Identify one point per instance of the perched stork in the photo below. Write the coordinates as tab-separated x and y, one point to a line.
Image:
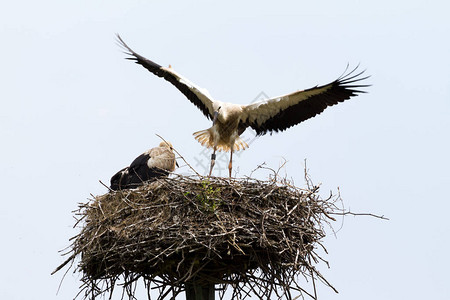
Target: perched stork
152	164
272	115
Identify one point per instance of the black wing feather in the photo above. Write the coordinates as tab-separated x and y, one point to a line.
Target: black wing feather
160	72
119	180
136	174
341	89
139	161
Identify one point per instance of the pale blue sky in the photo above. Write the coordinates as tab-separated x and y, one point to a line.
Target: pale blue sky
74	111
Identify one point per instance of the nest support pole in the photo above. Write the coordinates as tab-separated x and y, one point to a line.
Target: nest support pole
195	291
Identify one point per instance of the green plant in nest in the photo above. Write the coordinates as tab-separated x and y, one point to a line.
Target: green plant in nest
209	196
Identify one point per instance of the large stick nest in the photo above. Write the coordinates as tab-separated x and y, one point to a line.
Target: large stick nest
257	236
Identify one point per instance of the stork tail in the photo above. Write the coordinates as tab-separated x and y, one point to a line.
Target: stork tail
240	144
205	138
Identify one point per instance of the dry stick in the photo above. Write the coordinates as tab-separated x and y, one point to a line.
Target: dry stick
359	214
105	187
64	263
64	276
181	156
313	280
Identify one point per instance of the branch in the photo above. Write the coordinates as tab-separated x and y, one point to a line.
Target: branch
358	214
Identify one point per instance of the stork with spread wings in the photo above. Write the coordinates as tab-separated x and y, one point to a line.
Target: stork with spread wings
272	115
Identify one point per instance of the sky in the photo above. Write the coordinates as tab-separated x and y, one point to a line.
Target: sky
74	111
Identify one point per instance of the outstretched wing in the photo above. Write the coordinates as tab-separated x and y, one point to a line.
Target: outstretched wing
198	96
280	113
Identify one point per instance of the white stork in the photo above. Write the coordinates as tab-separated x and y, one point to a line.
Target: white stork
272	115
150	165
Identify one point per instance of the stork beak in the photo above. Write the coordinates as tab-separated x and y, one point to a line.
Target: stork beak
216	114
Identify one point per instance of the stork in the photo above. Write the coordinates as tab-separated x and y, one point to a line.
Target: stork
272	115
150	165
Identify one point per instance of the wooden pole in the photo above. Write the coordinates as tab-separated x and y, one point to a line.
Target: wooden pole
200	292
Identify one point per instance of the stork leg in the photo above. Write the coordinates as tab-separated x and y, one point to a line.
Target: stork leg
230	165
213	160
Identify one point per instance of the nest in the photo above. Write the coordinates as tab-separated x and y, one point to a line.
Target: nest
257	237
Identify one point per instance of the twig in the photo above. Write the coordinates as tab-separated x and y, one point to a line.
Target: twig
109	189
64	263
359	214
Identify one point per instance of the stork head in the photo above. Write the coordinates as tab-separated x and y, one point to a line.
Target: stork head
166	144
216	115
